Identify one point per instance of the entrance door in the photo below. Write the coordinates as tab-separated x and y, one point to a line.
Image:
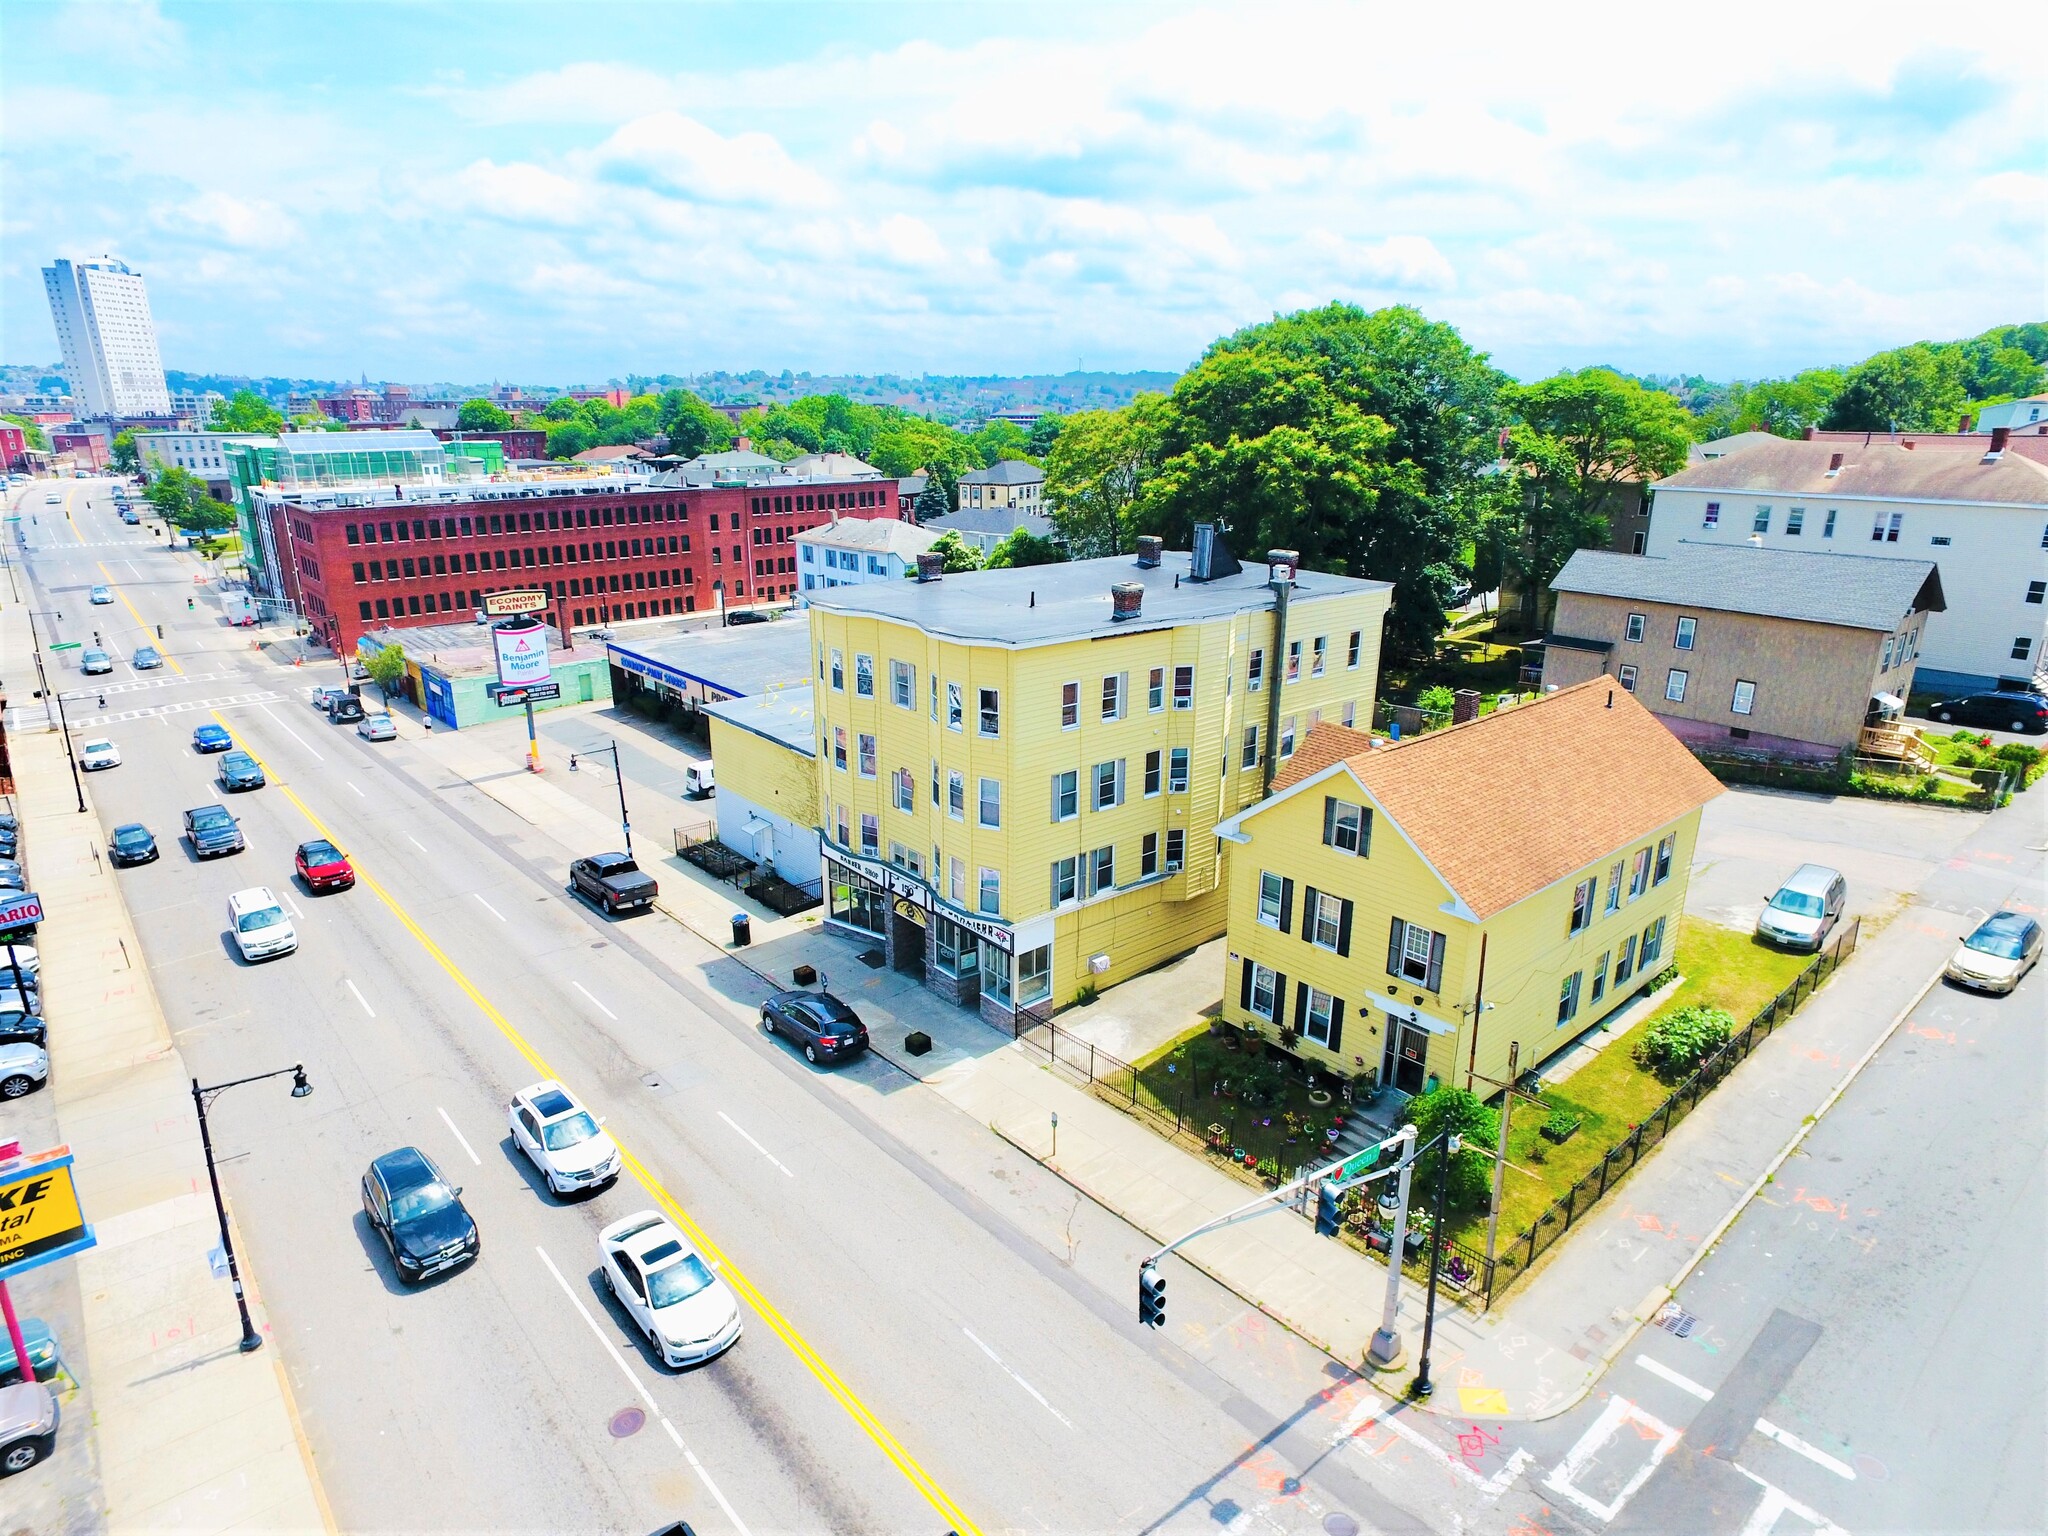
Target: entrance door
906	944
1406	1067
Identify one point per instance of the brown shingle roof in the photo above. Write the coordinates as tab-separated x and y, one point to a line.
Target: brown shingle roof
1324	745
1870	469
1514	801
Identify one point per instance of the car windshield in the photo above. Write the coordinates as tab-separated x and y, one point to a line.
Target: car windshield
99	746
424	1201
570	1132
2002	941
321	853
267	917
131	835
1798	903
679	1282
208	819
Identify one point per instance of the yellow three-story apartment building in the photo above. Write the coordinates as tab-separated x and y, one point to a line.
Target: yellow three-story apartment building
1410	912
1021	771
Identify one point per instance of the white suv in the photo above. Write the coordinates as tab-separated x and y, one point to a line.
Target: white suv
260	924
562	1138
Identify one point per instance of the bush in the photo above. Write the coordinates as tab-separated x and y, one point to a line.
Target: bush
1963	757
1560	1124
1439	698
1269	1169
1677	1042
1664	977
1453	1109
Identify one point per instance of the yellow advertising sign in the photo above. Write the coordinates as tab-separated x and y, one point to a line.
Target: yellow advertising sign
39	1215
499	603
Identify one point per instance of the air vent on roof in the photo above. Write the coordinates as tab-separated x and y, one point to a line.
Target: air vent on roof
1212	557
2000	436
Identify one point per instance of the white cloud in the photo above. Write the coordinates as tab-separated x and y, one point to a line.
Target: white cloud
521	193
245	223
674	153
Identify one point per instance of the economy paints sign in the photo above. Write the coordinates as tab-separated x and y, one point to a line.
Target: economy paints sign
522	647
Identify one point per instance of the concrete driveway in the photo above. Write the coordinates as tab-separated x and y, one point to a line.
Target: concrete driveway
1751	839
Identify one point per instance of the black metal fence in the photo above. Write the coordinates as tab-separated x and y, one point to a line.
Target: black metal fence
1514	1258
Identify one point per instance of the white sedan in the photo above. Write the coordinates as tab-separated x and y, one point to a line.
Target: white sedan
24	1067
562	1139
99	754
686	1311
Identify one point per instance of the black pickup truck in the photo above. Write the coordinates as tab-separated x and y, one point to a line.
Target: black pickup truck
613	881
213	831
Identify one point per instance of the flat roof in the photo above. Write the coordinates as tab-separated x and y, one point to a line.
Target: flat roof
782	715
741	661
1044	604
463	648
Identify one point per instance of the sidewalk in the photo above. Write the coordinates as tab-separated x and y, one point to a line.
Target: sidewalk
1538	1352
193	1436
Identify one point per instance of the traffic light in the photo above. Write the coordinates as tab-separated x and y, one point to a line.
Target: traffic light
1151	1297
1326	1209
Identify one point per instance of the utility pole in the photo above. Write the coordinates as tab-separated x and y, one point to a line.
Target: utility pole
1452	1145
64	730
1500	1156
1387	1351
618	777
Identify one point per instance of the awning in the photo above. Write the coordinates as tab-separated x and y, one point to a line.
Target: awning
1394	1008
754	827
1890	703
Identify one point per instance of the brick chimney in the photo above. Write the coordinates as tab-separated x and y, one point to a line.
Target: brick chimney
1126	600
931	565
1812	433
1149	547
743	445
2000	436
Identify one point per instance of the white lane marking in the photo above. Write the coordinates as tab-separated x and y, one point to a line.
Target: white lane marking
295	736
1619	1411
494	912
359	997
416	842
1683	1383
586	992
627	1371
351	785
287	895
1370	1409
1764	1427
458	1136
1035	1395
728	1119
1763	1520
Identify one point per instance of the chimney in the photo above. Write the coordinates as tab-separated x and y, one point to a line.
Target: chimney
1964	424
743	445
1126	599
1149	547
1812	433
1280	567
2000	436
931	565
1907	444
1834	463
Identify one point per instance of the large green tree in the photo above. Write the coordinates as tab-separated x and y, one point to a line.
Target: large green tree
182	499
122	455
691	426
31	432
245	411
1097	472
1786	407
1918	388
480	415
1022	547
1043	434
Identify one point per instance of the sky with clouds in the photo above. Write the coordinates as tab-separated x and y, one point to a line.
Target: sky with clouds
565	193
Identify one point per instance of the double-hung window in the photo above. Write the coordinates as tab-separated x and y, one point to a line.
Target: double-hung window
956	794
1151	774
1639	874
1272	899
870	833
1795	521
903	684
1625	967
1183	687
1321	1018
1346	827
1177	771
1416	954
1102	870
1109	784
1568	997
1600	975
1633	630
1113	696
1255	672
838	669
839	747
867	755
991	713
1627	677
864	676
1744	700
1066	795
1148	856
1664	851
1352	650
1155	689
1319	654
952	706
1582	905
992	893
1761	523
1065	880
1264	990
1176	849
1323	920
1653	944
905	789
1674	684
1286	737
1070	707
1614	879
1250	757
1682	635
991	806
1293	660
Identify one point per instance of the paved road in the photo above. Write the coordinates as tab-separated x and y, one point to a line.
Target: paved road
943	1334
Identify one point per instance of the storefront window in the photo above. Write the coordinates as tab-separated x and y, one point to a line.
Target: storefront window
959	951
1034	975
855	902
995	975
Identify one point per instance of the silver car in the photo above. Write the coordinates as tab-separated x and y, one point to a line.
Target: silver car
1806	908
2004	947
376	728
28	1426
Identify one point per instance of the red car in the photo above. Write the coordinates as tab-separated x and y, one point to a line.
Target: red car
321	865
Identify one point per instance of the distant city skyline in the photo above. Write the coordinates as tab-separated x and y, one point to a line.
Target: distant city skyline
893	189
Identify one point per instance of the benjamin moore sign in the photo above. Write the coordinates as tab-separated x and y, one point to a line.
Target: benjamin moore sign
39	1215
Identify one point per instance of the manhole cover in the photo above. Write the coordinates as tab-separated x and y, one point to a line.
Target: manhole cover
627	1421
1337	1523
1675	1320
1870	1469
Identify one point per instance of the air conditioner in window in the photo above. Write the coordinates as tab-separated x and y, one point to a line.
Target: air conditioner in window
1173	866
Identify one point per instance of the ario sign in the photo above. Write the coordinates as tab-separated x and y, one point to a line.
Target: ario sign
522	647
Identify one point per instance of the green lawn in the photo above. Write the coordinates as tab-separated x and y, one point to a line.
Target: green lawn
1722	967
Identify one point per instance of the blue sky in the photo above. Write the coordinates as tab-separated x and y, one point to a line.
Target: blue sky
568	192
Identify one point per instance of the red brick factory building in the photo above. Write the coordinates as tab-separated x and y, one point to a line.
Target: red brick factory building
365	557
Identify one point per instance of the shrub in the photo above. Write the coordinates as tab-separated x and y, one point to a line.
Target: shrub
1269	1169
1453	1109
1964	757
1560	1124
1676	1042
1664	977
1438	698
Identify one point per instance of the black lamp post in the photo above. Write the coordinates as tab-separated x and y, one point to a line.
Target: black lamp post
1423	1385
64	730
201	1097
618	776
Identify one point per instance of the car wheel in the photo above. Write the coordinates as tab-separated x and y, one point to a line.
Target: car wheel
767	1021
17	1086
1943	715
22	1455
2018	727
811	1054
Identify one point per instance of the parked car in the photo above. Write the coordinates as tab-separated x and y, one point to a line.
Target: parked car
262	928
23	1069
11	876
747	616
324	694
101	596
562	1139
132	843
95	663
147	658
19	1022
699	781
22	957
323	866
819	1023
377	727
614	882
10	834
239	771
212	738
2001	950
213	831
419	1214
130	517
99	753
1806	908
2001	710
28	1426
674	1297
344	710
44	1359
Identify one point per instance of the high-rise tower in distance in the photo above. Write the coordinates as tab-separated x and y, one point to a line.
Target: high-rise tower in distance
102	316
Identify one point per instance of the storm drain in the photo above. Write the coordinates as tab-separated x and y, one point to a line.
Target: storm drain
1675	1320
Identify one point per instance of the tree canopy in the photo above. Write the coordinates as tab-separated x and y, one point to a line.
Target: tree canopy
1022	547
957	556
1919	388
31	432
245	411
181	498
481	415
122	455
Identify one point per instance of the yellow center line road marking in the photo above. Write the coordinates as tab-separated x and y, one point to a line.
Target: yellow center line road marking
834	1385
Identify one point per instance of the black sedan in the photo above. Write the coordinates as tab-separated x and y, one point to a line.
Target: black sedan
419	1214
132	843
19	1024
2000	710
238	770
825	1027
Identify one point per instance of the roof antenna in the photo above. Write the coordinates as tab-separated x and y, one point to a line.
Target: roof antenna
1610	698
1034	599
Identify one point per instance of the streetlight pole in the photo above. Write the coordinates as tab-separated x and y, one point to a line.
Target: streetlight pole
1386	1349
201	1097
64	730
618	777
1423	1385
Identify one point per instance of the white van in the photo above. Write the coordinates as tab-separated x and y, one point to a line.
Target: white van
260	924
699	781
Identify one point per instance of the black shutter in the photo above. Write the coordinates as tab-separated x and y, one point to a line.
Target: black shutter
1396	937
1300	1005
1329	819
1436	962
1336	1024
1344	928
1279	1001
1309	909
1365	832
1244	989
1286	906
